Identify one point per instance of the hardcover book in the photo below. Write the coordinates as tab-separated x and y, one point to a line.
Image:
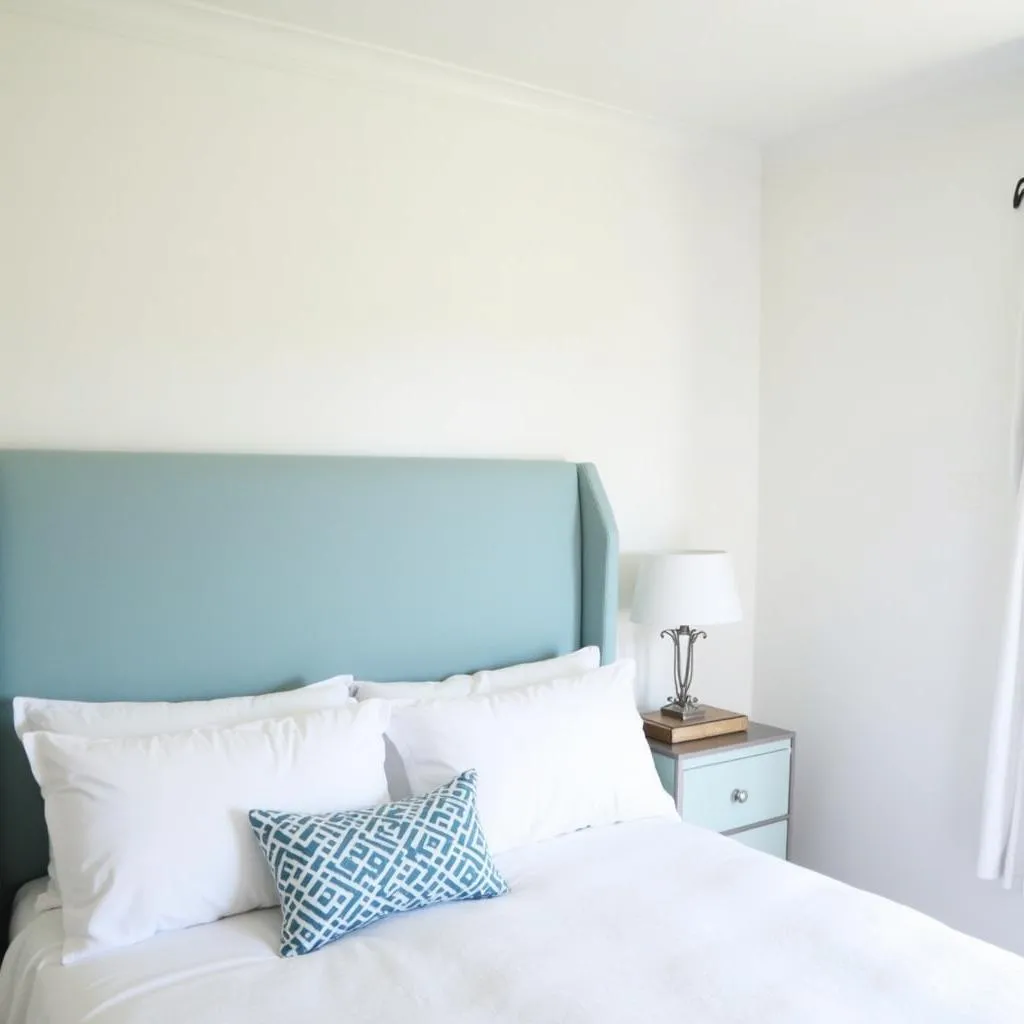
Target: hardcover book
714	722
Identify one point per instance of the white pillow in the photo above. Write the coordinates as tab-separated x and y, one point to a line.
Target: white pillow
551	758
445	689
586	659
151	833
485	681
143	718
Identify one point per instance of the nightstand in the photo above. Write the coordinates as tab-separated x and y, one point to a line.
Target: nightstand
739	785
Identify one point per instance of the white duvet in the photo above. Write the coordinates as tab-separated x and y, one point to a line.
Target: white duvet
651	920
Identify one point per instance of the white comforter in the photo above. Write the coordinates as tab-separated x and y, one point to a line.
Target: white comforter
652	920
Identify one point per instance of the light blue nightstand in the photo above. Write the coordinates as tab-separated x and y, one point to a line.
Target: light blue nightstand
739	785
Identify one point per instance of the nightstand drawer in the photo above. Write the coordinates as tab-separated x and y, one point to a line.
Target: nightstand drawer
766	838
733	794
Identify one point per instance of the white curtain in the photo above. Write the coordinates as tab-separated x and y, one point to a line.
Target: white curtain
1002	826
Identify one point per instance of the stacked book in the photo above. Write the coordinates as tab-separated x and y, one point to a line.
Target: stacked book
709	722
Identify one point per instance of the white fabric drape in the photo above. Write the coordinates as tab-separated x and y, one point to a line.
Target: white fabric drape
1002	826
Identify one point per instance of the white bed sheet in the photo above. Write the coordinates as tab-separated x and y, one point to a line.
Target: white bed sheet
626	923
24	910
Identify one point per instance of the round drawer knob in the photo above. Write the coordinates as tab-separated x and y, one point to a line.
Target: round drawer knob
739	796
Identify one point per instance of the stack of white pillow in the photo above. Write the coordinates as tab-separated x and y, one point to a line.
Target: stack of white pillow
147	803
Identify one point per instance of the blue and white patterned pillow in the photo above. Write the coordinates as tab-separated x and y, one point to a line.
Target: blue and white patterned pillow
339	872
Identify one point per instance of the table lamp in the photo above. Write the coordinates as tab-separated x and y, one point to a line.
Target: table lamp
695	587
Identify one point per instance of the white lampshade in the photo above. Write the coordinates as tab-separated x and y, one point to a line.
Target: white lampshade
686	588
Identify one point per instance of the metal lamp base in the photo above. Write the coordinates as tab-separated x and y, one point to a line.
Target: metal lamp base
681	704
689	713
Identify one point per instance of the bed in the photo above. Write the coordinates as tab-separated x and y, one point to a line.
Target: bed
189	576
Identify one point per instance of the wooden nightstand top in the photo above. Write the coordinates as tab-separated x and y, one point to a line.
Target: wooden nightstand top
757	735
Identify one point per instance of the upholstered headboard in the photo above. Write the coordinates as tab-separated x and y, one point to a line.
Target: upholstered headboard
166	576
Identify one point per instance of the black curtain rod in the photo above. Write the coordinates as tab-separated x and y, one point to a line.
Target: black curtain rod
1018	195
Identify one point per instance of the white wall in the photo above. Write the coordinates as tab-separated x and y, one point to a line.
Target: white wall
893	273
219	235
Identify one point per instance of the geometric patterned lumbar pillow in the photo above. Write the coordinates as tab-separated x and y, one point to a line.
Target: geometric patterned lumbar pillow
339	872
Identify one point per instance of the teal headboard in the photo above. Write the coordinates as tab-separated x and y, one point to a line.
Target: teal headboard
163	576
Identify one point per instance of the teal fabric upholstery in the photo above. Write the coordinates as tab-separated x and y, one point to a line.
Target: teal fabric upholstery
600	554
184	576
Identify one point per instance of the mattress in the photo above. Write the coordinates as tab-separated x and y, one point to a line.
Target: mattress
624	923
